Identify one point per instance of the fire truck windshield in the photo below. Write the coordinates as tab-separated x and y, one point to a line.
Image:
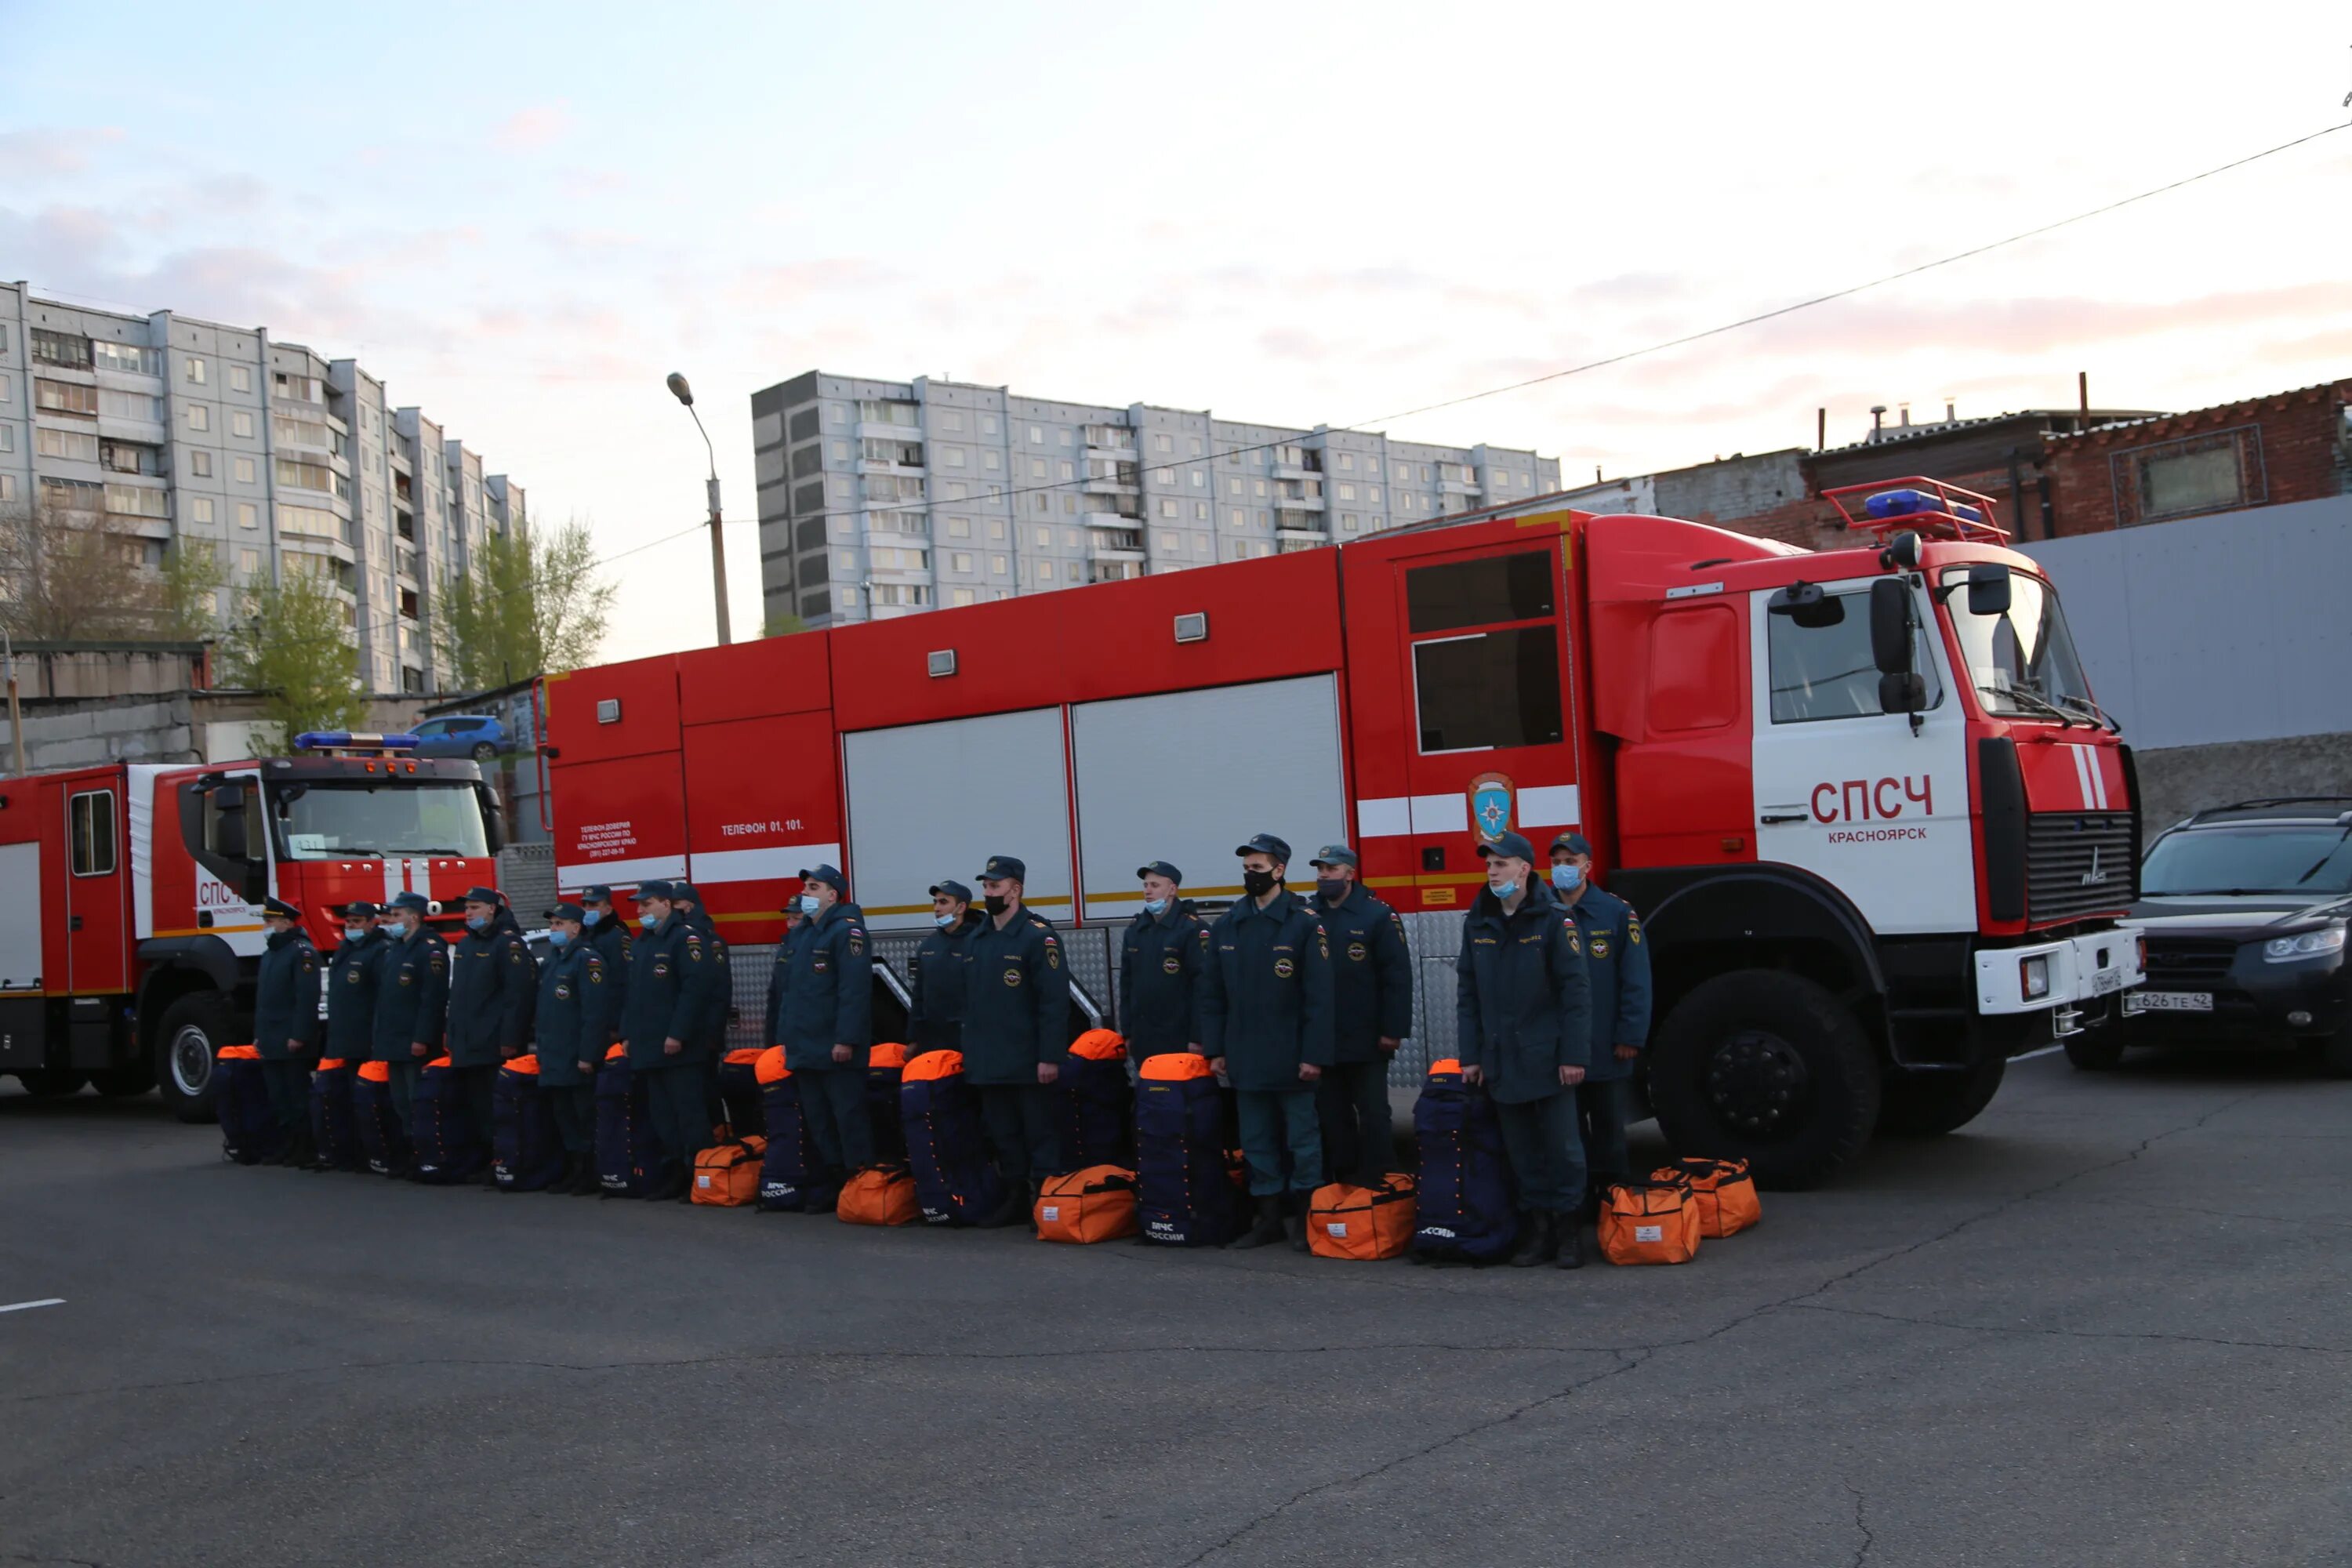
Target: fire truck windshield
2022	662
340	821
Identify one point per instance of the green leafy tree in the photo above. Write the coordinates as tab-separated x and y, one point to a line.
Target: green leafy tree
294	643
189	609
533	605
783	624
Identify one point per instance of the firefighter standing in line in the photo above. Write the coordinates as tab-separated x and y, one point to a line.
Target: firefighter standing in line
936	1016
286	1027
574	1021
603	929
1015	1031
493	986
351	990
1620	969
412	998
1160	962
669	980
820	1009
1265	1023
1371	1010
718	1003
1522	1008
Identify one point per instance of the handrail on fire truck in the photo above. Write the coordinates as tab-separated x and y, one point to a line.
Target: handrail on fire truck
1930	508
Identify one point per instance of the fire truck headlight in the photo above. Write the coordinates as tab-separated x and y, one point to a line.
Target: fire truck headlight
2033	976
2310	944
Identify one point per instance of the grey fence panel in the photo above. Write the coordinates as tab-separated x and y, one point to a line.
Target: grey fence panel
1434	941
526	876
747	970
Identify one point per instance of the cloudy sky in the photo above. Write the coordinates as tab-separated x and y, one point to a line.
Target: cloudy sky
523	218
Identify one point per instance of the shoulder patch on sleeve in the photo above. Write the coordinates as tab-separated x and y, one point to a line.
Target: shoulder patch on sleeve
1575	941
1632	928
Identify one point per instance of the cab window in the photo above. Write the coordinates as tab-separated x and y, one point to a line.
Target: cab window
92	816
1823	669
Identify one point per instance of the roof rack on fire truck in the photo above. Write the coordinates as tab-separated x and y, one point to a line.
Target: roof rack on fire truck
353	744
1930	508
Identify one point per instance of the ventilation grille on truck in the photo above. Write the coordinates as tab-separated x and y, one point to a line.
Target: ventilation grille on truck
2079	864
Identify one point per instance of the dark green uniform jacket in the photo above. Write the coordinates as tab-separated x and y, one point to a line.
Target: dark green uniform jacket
1016	1004
612	941
493	985
821	992
1265	994
1160	965
1619	966
350	995
1371	975
574	1018
412	997
669	993
1522	996
285	995
936	1019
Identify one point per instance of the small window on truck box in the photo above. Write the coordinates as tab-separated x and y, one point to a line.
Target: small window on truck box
1488	689
92	817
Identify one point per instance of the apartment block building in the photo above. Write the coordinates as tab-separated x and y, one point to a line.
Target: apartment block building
186	434
885	497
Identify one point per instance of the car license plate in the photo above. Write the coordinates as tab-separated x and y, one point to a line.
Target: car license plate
2105	982
2167	1002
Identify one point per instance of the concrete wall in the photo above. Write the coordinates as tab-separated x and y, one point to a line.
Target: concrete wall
2186	779
76	732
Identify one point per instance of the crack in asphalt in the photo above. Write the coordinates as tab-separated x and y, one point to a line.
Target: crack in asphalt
71	1562
1861	1553
2076	1333
1626	1361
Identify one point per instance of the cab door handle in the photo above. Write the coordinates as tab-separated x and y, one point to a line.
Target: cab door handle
73	922
1771	817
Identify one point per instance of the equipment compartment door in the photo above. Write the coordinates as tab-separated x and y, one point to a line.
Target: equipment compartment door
95	913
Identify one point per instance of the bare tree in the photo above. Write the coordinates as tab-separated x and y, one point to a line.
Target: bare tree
69	574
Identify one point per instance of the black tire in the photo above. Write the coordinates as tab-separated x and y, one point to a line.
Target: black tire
2095	1051
51	1083
1930	1104
2335	1055
125	1082
187	1044
484	751
1765	1067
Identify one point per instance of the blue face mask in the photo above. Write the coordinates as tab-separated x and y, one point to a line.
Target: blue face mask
478	922
1566	878
355	933
810	903
1155	905
558	939
945	923
1502	889
590	917
649	921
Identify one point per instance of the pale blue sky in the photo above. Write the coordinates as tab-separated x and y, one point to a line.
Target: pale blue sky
523	217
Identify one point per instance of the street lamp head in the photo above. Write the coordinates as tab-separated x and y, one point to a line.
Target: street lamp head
679	388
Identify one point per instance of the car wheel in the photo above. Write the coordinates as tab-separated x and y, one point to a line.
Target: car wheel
2095	1051
1930	1104
484	751
51	1083
187	1045
1766	1066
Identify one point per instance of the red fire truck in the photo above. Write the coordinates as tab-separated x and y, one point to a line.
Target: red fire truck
1876	829
130	925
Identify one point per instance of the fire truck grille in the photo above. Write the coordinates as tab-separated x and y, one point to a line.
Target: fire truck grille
2079	864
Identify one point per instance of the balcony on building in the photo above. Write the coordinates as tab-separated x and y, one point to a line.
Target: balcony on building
1115	544
1454	484
1114	571
1289	462
1111	519
1110	438
1301	502
891	455
1106	478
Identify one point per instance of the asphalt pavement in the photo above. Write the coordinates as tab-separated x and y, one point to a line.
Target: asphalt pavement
2106	1323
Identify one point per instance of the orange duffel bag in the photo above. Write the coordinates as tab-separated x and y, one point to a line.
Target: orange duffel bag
1724	1191
879	1194
1096	1203
727	1175
1361	1223
1649	1222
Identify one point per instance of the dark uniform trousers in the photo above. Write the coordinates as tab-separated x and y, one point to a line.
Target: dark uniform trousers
401	1080
833	1109
575	1109
676	1102
1020	1120
478	1093
1279	1119
1539	1135
289	1083
1601	1119
1351	1100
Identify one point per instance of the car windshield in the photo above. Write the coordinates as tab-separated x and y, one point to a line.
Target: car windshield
340	821
2299	857
2022	662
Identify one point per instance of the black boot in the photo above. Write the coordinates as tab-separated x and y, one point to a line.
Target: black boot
1007	1210
1267	1229
585	1182
1539	1241
1571	1253
1036	1192
1294	1222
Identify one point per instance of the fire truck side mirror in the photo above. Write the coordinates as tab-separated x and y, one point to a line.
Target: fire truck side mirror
1890	627
227	804
1989	589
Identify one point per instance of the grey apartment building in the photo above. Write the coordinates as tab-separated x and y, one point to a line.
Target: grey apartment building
187	434
884	498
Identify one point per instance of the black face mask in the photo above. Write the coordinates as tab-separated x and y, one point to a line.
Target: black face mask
1258	884
996	904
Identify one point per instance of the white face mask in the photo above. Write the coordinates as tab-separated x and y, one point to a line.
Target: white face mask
355	933
1502	883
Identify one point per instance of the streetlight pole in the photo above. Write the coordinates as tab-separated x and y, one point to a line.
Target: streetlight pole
685	394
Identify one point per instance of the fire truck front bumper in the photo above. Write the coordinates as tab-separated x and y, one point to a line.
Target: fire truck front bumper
2069	973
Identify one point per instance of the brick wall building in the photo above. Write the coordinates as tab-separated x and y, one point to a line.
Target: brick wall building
2260	452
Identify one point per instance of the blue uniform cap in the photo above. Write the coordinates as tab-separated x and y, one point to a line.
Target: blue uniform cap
1005	868
829	875
567	912
1336	854
599	894
1508	844
359	910
484	896
1574	843
953	889
1160	868
653	889
282	908
1266	844
684	893
411	900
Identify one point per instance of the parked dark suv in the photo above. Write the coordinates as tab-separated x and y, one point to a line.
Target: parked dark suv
2245	908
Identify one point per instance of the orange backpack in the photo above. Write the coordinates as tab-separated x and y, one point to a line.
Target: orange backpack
1096	1203
1649	1222
727	1175
879	1194
1724	1191
1361	1224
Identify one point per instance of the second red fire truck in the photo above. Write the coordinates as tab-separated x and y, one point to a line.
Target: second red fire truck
1876	829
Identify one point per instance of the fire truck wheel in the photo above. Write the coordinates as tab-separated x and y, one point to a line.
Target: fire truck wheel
186	1045
1764	1066
1930	1104
2095	1051
51	1083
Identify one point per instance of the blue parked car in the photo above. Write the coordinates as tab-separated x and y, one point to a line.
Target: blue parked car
475	735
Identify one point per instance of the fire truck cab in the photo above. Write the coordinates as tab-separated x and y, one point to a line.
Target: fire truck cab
130	896
1876	830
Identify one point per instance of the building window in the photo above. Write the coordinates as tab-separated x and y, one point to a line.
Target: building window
1348	521
244	471
1239	520
1173	542
8	437
248	515
992	459
2216	472
1232	484
249	564
65	398
845	559
952	420
951	457
1200	478
1167	506
1036	468
1263	519
962	561
960	596
837	414
200	464
240	378
988	423
1044	570
199	417
240	424
73	445
1372	494
1163	442
1045	539
1346	492
64	350
200	509
7	389
958	528
996	567
1036	435
195	371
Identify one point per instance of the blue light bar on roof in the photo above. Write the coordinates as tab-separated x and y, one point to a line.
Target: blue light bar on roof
339	739
1911	503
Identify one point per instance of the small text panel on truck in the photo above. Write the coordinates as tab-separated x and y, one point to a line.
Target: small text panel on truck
1876	830
136	962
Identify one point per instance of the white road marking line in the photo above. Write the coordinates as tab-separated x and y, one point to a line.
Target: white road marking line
28	1306
2043	1052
